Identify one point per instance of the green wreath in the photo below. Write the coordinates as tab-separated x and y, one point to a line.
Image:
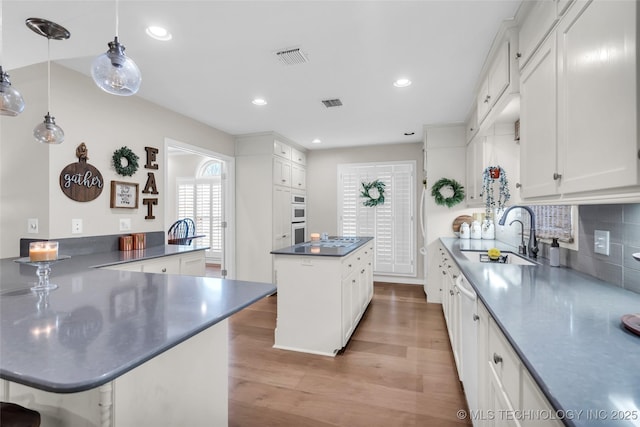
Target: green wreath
132	161
373	192
458	192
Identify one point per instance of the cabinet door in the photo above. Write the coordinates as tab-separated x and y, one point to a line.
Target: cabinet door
281	149
533	401
597	96
475	166
499	74
281	217
281	171
298	157
538	23
500	408
538	123
349	283
482	101
472	125
193	264
298	177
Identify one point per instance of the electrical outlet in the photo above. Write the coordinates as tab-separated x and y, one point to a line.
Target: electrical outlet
125	224
601	242
32	225
76	226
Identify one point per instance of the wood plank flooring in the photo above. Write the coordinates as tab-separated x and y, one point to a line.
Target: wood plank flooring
397	370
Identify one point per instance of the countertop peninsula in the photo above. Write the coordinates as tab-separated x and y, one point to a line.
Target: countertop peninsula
566	328
100	323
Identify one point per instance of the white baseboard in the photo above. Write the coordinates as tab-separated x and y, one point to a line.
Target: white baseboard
398	279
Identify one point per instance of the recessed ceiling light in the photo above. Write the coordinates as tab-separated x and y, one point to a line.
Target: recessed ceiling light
316	141
259	101
402	83
158	33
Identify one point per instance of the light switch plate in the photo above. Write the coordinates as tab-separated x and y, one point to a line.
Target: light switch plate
601	242
32	225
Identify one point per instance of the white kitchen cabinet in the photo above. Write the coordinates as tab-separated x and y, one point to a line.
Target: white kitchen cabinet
321	299
475	164
472	124
538	118
188	264
264	162
281	149
495	83
281	172
298	177
539	21
597	96
281	217
579	121
298	156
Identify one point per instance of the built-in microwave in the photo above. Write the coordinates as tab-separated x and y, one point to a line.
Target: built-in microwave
297	198
298	212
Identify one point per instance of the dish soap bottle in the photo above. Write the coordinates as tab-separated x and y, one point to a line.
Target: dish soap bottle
554	253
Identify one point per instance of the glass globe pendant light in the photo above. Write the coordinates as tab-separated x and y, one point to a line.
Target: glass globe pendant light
11	102
48	132
113	71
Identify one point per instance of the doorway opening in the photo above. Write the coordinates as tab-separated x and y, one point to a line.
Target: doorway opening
200	186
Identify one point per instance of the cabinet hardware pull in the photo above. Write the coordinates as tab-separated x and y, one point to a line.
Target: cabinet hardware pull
497	358
518	185
164	270
476	317
362	271
444	273
455	276
518	55
450	292
556	176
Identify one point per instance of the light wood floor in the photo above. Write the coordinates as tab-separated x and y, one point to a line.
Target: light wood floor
397	370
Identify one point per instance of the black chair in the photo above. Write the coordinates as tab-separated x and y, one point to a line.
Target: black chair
182	232
13	415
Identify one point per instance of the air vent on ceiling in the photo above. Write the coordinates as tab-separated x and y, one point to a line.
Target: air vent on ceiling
292	56
332	103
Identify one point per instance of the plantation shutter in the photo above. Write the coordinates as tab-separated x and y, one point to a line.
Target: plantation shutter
201	200
391	223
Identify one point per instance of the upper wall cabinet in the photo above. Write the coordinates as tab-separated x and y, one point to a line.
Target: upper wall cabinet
540	18
298	157
495	83
281	149
579	122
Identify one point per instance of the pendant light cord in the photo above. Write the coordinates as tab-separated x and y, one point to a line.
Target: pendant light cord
48	75
117	18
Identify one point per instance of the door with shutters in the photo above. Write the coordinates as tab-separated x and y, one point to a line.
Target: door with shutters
202	199
392	223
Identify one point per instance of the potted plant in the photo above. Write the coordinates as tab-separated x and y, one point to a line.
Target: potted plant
490	176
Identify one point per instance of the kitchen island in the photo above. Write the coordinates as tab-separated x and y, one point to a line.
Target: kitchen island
121	348
565	330
324	288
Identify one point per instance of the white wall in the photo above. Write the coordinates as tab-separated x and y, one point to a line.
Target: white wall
30	171
322	182
446	153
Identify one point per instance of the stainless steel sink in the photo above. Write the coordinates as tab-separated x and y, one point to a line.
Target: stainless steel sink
506	258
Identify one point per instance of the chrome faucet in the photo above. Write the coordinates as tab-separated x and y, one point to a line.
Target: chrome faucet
522	249
533	242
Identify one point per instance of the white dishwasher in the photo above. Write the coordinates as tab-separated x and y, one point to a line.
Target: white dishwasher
469	342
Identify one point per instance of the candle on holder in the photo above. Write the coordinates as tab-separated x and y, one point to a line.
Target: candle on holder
43	251
315	237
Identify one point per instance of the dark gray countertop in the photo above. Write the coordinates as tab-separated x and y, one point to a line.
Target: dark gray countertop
566	328
99	323
335	246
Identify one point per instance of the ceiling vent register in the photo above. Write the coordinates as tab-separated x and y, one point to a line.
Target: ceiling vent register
332	103
292	56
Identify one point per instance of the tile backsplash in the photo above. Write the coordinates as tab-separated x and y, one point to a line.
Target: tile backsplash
619	267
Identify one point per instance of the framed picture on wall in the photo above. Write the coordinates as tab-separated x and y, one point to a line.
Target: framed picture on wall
124	195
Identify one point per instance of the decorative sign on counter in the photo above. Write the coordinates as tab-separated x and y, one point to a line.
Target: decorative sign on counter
124	195
81	181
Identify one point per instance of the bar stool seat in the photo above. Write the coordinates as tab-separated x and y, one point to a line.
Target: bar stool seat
13	415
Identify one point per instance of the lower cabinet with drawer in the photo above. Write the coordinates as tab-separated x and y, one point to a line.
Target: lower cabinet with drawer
187	264
508	394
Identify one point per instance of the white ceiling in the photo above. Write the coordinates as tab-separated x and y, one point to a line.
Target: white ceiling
222	56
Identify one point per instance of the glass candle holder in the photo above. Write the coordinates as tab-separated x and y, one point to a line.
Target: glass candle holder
43	251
